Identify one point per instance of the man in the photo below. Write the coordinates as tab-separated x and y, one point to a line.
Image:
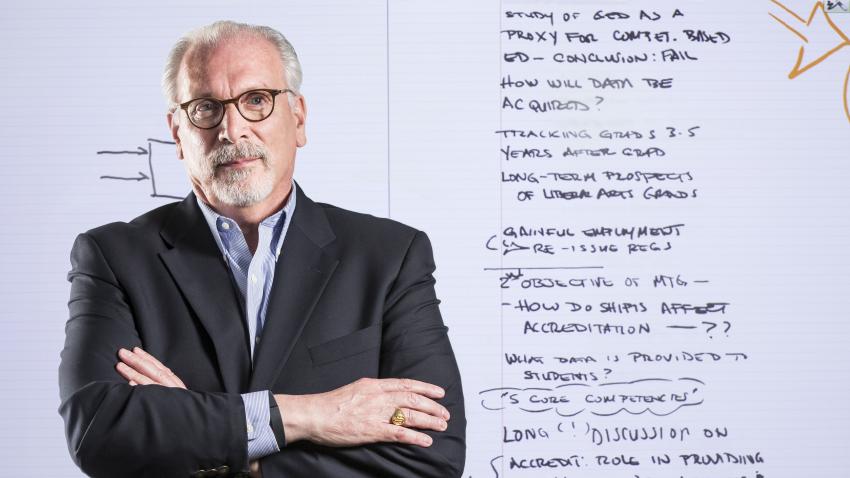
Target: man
247	328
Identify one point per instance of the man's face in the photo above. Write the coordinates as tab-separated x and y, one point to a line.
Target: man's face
239	162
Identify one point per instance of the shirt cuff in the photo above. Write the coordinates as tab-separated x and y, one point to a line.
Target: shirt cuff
261	439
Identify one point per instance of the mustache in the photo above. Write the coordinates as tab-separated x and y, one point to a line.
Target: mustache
229	153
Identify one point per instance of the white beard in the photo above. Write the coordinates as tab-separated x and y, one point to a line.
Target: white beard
239	187
243	187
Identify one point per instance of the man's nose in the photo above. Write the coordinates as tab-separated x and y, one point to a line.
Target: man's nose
233	126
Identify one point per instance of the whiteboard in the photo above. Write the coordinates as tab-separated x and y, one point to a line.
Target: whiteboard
639	214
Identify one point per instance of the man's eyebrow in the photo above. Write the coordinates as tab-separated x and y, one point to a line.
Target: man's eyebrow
208	94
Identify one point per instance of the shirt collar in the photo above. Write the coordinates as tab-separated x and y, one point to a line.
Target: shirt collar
287	210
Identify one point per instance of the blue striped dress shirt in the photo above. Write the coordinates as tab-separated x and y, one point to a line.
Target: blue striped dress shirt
252	276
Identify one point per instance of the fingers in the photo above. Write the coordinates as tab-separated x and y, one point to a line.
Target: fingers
410	385
417	419
156	363
405	435
144	369
414	401
159	366
132	376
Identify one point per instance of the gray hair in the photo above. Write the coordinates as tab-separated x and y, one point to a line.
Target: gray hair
211	35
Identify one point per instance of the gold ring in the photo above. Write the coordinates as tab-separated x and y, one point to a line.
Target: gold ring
398	417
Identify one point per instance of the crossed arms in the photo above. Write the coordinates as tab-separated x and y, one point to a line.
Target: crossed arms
115	428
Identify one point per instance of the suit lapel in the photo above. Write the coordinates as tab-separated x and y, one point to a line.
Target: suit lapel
197	266
301	274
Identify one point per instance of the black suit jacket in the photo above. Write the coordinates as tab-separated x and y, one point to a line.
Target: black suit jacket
353	296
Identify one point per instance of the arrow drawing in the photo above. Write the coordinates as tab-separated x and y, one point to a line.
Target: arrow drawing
140	151
142	176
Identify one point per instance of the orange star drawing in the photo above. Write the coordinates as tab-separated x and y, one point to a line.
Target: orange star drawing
820	26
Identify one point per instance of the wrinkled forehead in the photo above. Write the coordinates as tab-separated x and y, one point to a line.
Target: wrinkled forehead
232	63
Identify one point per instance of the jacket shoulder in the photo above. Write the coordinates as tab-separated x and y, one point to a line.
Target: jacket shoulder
366	226
148	223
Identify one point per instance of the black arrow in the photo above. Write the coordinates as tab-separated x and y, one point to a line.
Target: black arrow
512	247
142	176
140	151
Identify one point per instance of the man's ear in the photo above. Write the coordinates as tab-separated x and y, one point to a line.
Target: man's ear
173	125
300	112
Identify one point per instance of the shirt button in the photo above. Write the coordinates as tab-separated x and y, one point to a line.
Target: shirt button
254	278
225	226
250	428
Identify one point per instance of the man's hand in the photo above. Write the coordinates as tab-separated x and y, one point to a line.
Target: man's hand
355	414
142	368
359	413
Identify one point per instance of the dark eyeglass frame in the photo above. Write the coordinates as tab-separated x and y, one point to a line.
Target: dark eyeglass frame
235	101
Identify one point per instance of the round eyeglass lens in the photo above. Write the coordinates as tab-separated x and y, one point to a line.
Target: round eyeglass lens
256	105
205	112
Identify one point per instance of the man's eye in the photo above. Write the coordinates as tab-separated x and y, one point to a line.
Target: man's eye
256	99
205	107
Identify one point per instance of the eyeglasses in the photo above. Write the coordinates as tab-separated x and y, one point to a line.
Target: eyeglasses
253	105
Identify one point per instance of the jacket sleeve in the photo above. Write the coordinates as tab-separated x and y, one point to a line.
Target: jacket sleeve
415	345
114	429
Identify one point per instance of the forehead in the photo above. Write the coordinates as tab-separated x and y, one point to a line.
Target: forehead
229	68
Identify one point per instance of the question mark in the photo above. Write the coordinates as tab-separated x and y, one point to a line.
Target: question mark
713	325
599	101
728	326
607	371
